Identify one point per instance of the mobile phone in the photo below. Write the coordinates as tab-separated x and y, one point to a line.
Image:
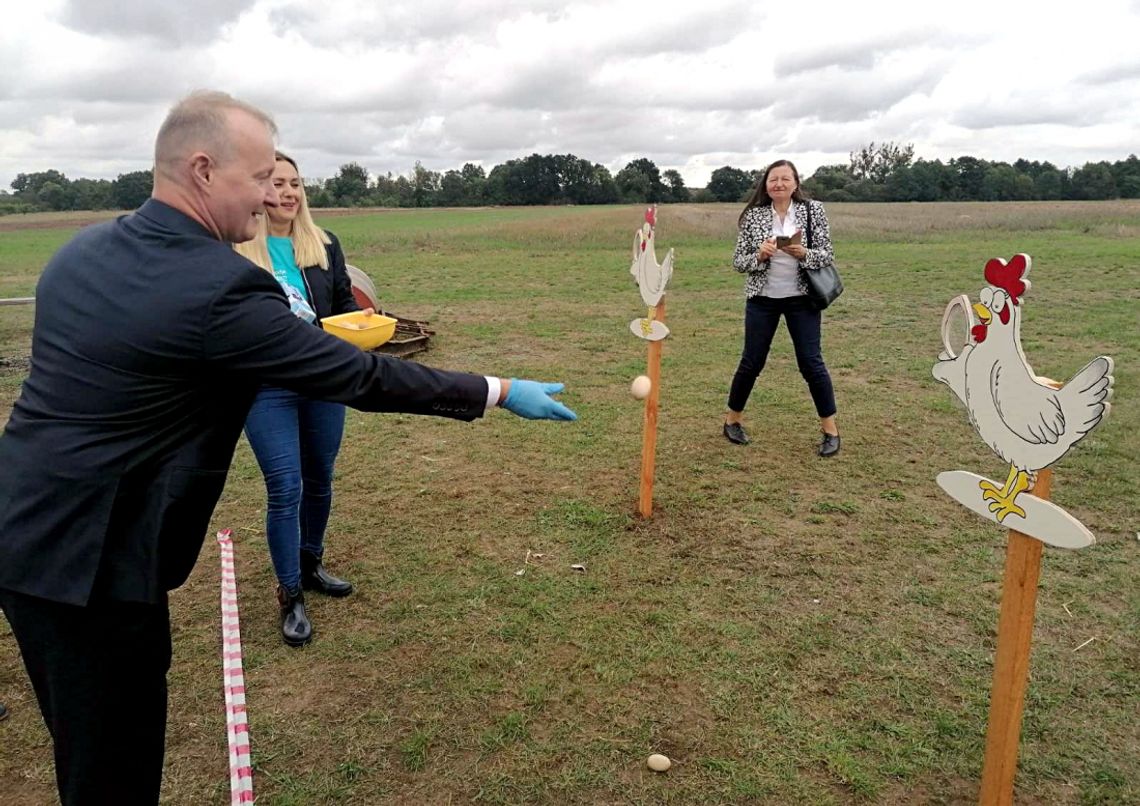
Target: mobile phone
788	240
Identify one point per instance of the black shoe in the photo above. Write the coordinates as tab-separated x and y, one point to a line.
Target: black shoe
314	577
829	446
296	628
734	432
3	712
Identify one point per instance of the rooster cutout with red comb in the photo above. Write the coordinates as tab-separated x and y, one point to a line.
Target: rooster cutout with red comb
651	277
1025	420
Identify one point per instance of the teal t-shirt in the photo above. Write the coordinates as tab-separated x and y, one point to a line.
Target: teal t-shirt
288	274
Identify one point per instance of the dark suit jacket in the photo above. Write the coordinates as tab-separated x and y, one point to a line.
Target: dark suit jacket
150	341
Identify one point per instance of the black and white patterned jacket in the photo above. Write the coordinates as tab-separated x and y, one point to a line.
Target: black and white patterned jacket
757	228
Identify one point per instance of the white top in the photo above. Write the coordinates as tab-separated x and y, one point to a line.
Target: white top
784	271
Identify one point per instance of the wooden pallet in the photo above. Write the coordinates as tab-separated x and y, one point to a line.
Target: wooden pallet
412	336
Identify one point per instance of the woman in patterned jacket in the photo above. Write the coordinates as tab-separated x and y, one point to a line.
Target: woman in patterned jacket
773	251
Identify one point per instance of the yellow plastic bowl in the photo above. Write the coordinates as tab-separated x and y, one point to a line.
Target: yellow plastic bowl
366	332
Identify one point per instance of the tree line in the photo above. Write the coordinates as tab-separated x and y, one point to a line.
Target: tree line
876	172
51	190
889	172
535	180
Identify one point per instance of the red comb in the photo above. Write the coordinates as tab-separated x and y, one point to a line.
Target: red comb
651	216
1007	276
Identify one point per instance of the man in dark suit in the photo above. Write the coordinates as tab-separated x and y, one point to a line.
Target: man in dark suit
151	338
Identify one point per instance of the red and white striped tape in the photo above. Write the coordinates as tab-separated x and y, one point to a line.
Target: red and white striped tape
233	679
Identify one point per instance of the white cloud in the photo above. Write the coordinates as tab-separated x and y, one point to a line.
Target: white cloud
170	22
1113	73
692	86
861	54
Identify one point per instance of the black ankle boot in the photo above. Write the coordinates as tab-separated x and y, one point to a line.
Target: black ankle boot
314	577
296	628
734	432
829	445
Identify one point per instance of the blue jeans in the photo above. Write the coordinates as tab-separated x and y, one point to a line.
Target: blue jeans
761	318
295	441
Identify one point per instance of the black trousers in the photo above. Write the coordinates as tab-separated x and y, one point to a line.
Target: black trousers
99	673
761	318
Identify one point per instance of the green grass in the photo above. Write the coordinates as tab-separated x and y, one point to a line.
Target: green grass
787	630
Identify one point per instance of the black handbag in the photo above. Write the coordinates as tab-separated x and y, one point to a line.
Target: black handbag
824	284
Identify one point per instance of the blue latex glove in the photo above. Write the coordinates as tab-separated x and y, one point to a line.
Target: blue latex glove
532	400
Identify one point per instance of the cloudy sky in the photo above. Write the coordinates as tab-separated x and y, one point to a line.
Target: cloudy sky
692	85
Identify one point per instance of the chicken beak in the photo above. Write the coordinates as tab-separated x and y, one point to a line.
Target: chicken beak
983	313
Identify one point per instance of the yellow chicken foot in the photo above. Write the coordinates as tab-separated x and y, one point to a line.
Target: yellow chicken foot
991	490
1002	501
647	323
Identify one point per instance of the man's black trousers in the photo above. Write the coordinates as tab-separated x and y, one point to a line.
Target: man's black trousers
99	673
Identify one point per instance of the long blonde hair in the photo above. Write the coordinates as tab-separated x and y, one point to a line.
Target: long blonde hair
309	240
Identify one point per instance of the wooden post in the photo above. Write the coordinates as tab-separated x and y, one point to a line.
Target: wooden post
649	431
1011	661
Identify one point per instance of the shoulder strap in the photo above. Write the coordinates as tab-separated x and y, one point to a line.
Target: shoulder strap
807	204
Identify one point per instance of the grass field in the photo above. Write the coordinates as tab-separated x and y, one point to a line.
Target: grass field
787	630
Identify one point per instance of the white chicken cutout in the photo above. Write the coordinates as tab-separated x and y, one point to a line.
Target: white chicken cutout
651	278
1028	423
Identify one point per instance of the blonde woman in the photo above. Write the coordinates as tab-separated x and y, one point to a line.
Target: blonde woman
294	438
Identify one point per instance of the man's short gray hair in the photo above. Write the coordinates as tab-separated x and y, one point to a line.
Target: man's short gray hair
199	123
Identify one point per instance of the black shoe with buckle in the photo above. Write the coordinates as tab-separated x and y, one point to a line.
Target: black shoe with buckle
734	432
296	629
829	446
314	577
